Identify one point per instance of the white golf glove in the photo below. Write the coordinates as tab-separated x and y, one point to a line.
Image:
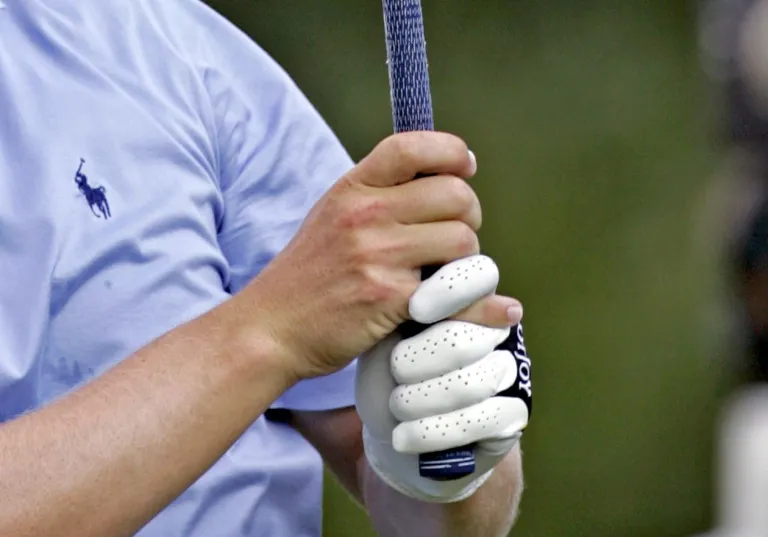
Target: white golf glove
452	385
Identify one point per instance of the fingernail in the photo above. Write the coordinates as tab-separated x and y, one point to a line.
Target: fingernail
473	159
515	313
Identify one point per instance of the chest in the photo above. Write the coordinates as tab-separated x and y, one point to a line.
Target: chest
116	158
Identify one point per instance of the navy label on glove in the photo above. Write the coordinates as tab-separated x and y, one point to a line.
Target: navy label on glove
522	388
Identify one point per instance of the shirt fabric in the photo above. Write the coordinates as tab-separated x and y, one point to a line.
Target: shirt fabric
153	160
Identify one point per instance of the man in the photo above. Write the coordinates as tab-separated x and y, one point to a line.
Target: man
152	314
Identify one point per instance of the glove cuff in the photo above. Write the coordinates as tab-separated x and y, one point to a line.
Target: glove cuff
400	471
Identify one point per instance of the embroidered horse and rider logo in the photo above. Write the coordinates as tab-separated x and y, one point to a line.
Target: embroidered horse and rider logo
95	196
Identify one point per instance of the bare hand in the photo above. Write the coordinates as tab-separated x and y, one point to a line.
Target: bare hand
344	281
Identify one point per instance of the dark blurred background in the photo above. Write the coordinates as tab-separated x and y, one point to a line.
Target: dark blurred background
592	128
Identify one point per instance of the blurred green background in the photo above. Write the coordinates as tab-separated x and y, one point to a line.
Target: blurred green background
590	121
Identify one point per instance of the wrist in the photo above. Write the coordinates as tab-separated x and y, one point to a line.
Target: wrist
400	472
252	347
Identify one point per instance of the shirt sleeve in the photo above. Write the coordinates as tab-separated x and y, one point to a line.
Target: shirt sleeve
277	157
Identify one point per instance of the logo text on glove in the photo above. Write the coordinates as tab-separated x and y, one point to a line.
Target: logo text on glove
524	363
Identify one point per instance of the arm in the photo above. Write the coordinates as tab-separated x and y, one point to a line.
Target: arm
488	513
135	438
108	457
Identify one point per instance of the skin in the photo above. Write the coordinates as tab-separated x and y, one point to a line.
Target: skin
129	442
490	512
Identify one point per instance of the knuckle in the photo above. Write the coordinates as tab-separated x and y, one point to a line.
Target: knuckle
392	249
391	143
397	243
375	288
467	242
478	218
490	310
405	149
360	211
375	249
460	193
361	251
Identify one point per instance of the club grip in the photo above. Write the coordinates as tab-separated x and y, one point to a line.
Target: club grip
412	111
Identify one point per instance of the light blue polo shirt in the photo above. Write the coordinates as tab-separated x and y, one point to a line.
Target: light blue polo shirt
152	161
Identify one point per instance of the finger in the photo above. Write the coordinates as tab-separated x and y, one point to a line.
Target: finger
493	311
442	348
400	158
458	389
493	418
453	288
437	243
434	199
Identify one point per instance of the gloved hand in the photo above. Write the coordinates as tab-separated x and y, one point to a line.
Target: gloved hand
454	384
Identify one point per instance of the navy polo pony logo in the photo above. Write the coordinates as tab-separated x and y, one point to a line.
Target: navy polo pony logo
96	197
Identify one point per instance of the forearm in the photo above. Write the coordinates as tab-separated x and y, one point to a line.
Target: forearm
490	512
105	459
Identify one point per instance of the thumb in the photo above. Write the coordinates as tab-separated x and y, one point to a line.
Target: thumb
402	157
